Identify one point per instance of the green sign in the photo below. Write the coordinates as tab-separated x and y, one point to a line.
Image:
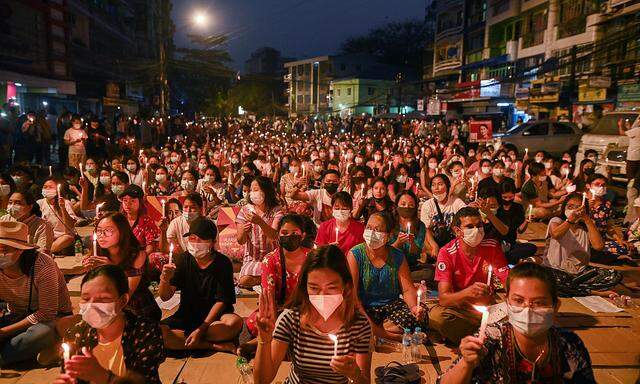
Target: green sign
629	92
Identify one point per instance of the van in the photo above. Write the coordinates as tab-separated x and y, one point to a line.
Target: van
609	144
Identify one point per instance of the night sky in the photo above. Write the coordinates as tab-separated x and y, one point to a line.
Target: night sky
298	28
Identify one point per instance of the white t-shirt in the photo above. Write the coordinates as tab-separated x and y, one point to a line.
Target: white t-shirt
54	219
570	253
429	212
176	230
318	198
633	152
73	134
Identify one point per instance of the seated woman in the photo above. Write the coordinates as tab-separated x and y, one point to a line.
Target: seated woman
513	216
342	230
527	348
280	271
58	212
119	182
188	181
380	274
539	193
133	170
23	208
111	344
257	223
378	202
35	292
409	236
143	227
118	245
205	318
571	239
162	185
437	214
322	306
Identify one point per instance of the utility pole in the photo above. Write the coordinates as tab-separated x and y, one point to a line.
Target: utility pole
164	93
572	81
399	77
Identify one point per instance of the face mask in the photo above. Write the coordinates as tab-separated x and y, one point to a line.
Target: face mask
473	236
7	260
49	193
564	172
589	171
90	168
497	172
187	185
455	174
433	165
406	212
539	159
401	179
105	180
486	170
486	157
548	165
571	188
331	188
377	157
374	239
190	216
198	250
293	170
257	197
326	304
494	210
174	159
317	168
202	166
441	197
161	178
14	210
18	179
291	242
598	191
530	322
117	189
98	315
359	160
208	179
349	156
472	154
4	190
234	161
131	167
341	215
569	212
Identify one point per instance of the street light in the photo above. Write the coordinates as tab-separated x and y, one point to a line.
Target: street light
200	19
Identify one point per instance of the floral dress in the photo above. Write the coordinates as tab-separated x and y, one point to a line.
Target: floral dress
257	245
145	230
156	190
601	212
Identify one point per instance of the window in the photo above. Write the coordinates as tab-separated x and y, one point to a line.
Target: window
349	91
573	18
338	91
371	91
533	26
562	129
539	129
300	99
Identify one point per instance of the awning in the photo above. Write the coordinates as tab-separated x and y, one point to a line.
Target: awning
64	87
487	62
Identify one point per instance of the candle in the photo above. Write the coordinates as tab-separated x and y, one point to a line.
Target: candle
95	244
408	228
66	352
171	253
80	166
526	151
485	319
530	211
98	209
58	191
335	344
50	171
164	210
584	198
337	232
390	165
489	274
419	296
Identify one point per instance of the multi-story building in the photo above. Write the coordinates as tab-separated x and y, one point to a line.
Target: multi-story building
354	96
35	59
266	61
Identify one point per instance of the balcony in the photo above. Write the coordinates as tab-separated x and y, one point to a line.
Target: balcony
533	39
572	27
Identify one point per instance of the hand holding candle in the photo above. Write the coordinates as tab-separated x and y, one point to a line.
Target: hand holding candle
489	275
95	244
66	352
334	338
171	253
485	319
530	214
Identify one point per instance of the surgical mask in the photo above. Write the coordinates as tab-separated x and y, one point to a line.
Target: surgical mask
202	166
317	168
198	250
174	159
18	179
539	159
14	210
98	315
293	170
117	189
131	167
570	188
161	178
433	165
187	185
208	179
359	160
569	212
598	191
377	157
105	180
234	161
401	179
441	197
290	242
565	172
486	170
326	304
455	174
497	172
49	193
257	197
342	215
190	216
90	168
473	236
374	239
5	190
530	322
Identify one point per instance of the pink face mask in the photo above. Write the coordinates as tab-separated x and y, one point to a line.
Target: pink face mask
326	304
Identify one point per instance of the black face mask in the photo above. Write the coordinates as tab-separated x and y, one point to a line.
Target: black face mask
406	212
507	202
290	242
379	199
358	181
331	188
247	175
589	171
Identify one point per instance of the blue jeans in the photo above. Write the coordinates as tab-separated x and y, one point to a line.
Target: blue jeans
26	344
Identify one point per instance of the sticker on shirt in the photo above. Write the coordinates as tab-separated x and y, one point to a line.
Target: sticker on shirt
442	266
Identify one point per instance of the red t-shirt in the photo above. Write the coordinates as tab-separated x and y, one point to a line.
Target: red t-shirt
456	267
346	240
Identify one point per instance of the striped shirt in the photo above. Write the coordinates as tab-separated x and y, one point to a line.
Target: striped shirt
257	245
49	295
311	350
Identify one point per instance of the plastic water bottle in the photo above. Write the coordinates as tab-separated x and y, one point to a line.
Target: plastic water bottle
416	343
407	355
245	369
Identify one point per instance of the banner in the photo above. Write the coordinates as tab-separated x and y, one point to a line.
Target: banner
481	130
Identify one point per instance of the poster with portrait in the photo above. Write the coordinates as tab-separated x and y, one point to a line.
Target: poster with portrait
480	130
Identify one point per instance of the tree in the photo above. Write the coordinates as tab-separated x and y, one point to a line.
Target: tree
257	94
396	43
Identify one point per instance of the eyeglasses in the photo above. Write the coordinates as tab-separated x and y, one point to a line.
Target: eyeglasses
533	305
106	232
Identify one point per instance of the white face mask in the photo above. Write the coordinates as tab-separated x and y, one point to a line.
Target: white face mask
293	170
548	165
564	172
187	185
486	170
342	215
497	172
569	212
317	168
326	304
198	250
105	180
131	167
530	322
433	165
202	166
257	197
539	159
598	191
98	315
401	179
571	188
377	157
473	236
160	178
117	189
455	174
190	216
49	193
374	239
14	210
441	197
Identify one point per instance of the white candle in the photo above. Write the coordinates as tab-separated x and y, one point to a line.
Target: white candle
419	296
408	228
66	352
59	191
50	171
164	211
337	232
171	253
526	151
530	211
485	319
584	198
363	191
80	166
335	344
489	274
95	244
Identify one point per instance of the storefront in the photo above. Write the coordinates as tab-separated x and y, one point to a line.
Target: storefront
32	93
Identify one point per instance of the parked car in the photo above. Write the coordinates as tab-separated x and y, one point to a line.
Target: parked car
605	139
542	135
